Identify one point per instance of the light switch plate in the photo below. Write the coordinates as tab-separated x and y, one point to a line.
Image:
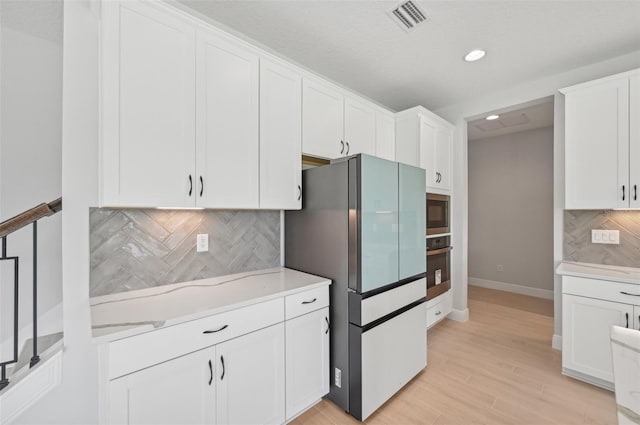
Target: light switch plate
202	242
611	237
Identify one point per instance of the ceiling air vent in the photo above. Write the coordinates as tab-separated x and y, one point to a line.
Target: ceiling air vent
408	15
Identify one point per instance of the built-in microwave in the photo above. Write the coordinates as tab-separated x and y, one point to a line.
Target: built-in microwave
437	214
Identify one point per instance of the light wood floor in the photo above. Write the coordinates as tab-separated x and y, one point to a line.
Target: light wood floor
497	368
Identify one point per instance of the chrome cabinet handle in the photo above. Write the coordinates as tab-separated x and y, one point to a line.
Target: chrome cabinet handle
201	186
210	373
328	325
216	330
342	150
629	293
438	313
190	185
299	192
623	193
222	361
348	148
309	302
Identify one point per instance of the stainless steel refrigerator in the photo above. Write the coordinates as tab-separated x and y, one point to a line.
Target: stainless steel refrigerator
362	225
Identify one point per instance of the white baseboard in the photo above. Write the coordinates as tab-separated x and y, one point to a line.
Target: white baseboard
18	397
556	342
459	315
511	287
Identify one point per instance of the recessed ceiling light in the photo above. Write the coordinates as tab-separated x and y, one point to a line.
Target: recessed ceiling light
474	55
492	117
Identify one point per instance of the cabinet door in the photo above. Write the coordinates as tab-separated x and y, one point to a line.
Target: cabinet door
428	138
586	323
385	136
597	146
443	144
251	378
148	116
634	141
307	360
280	137
180	391
322	121
227	124
359	128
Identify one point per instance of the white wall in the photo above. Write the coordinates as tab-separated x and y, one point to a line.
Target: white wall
30	159
511	212
458	114
76	400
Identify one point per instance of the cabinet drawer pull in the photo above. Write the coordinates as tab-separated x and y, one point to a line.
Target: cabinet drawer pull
342	150
328	325
190	185
635	192
299	192
348	148
309	302
623	196
210	373
626	315
629	293
201	186
212	331
222	361
438	313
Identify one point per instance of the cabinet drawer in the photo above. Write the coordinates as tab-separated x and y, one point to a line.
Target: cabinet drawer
439	310
305	302
626	293
141	351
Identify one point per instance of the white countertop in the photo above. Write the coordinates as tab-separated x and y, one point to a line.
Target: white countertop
130	313
600	271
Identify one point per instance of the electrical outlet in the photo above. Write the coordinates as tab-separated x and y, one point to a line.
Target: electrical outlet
499	268
338	378
202	242
605	236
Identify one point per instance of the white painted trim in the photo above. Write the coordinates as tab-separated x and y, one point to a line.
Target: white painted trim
25	393
556	342
511	287
459	315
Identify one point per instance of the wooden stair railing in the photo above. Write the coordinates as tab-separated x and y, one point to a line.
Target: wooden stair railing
28	217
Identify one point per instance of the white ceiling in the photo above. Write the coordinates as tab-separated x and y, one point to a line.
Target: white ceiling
537	114
356	44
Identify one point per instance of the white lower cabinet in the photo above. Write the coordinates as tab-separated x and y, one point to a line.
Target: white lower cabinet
307	354
243	366
180	391
589	308
250	378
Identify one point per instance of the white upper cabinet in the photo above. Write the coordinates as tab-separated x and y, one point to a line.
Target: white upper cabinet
322	120
359	127
425	140
280	137
148	101
634	142
385	136
602	158
227	118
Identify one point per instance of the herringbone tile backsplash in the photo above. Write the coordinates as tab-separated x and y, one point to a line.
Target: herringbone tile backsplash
577	237
140	248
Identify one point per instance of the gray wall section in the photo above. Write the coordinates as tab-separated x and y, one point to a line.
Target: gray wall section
511	208
577	237
140	248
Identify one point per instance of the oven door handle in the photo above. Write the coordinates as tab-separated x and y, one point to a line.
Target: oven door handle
439	251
